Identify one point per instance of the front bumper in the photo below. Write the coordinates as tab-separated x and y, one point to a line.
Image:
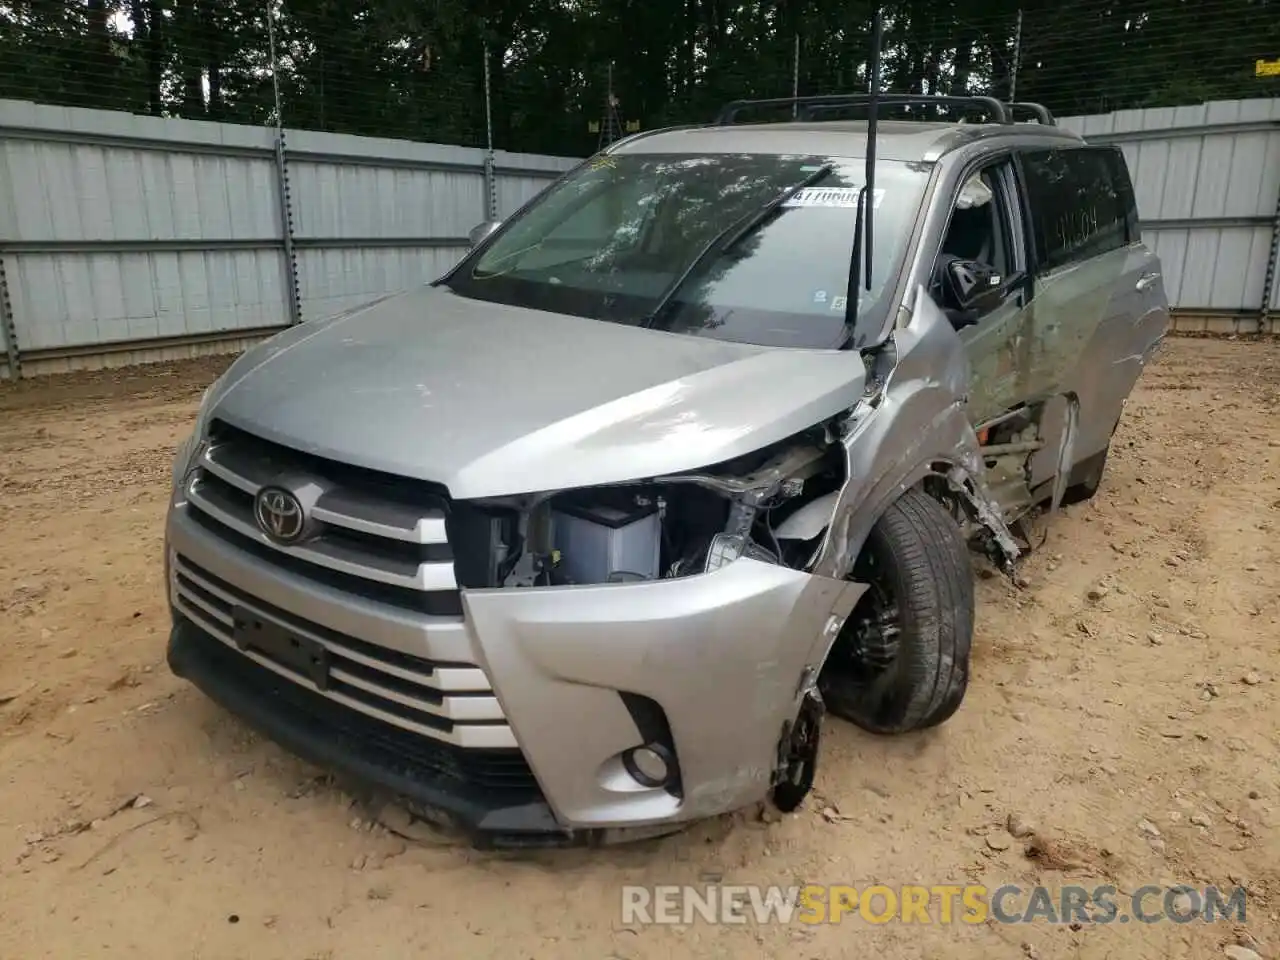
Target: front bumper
713	663
431	780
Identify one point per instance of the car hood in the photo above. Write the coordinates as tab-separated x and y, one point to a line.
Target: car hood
492	400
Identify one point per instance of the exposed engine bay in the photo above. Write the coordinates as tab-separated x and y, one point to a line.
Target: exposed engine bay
774	506
667	527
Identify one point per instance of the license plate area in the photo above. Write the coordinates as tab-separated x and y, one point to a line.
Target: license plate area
282	646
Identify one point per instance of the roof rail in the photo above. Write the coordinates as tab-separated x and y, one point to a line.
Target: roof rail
803	106
1040	112
640	135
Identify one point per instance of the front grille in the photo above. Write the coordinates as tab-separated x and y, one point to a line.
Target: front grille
492	777
450	702
375	535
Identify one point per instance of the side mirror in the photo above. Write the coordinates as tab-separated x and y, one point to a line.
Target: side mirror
971	289
481	232
974	285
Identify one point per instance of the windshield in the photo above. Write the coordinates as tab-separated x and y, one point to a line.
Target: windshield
611	240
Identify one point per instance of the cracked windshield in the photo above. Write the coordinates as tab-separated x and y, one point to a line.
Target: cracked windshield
748	248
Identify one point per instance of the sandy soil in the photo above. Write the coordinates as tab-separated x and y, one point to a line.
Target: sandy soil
137	820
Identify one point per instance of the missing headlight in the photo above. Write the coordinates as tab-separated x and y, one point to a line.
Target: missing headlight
609	537
673	526
632	533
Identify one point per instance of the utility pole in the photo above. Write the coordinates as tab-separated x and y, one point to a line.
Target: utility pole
1017	58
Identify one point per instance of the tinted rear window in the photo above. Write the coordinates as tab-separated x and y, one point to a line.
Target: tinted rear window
1081	203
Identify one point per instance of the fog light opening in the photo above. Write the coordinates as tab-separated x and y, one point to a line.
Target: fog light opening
649	765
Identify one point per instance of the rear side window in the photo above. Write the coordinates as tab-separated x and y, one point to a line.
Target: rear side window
1080	203
1124	192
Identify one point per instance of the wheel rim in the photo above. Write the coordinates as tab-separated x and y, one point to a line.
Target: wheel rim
868	643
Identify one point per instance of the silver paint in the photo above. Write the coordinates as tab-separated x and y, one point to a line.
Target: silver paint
914	425
495	401
746	632
492	400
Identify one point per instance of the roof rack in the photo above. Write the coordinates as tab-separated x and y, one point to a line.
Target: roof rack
1039	111
806	107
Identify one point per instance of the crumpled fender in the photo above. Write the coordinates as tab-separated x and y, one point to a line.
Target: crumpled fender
916	423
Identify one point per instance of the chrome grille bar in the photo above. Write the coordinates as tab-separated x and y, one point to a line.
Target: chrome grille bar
341	508
450	703
438	678
361	562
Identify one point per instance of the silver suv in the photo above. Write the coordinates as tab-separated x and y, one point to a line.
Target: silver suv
578	542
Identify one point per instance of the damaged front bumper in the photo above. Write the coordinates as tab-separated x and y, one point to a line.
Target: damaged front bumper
634	708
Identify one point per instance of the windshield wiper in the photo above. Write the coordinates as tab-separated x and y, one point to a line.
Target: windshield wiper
728	238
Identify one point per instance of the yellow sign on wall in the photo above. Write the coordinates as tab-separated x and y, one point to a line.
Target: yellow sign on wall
1267	68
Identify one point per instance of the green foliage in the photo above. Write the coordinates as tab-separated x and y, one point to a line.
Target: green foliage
415	68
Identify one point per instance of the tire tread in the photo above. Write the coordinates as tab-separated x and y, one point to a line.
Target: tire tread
935	597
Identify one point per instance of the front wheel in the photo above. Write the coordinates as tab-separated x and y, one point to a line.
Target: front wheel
901	661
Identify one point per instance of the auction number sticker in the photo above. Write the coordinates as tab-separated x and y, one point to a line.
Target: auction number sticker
839	197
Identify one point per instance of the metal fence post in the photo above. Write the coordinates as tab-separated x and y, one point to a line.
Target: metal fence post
490	168
282	183
9	328
795	75
1273	265
286	228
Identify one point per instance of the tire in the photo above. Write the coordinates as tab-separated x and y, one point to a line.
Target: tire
901	661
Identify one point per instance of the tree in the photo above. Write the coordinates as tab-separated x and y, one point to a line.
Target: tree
416	69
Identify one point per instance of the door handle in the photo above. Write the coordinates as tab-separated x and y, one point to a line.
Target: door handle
1146	281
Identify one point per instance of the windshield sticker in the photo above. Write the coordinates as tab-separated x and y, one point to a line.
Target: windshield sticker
820	296
830	197
839	303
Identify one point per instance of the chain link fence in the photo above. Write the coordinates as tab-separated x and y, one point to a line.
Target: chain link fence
528	82
560	76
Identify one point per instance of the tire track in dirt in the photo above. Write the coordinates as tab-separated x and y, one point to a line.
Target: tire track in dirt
1084	733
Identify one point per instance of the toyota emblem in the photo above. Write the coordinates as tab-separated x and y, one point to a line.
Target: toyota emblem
279	514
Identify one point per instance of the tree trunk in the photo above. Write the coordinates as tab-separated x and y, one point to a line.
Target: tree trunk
963	68
933	71
213	42
98	56
188	30
148	27
1001	67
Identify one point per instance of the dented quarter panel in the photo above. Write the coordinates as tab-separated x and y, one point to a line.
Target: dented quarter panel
1097	332
722	653
1088	330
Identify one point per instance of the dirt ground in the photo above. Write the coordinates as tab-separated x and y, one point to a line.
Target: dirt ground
1134	726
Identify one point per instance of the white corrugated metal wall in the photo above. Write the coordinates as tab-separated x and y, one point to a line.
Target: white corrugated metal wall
122	231
1207	180
127	230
